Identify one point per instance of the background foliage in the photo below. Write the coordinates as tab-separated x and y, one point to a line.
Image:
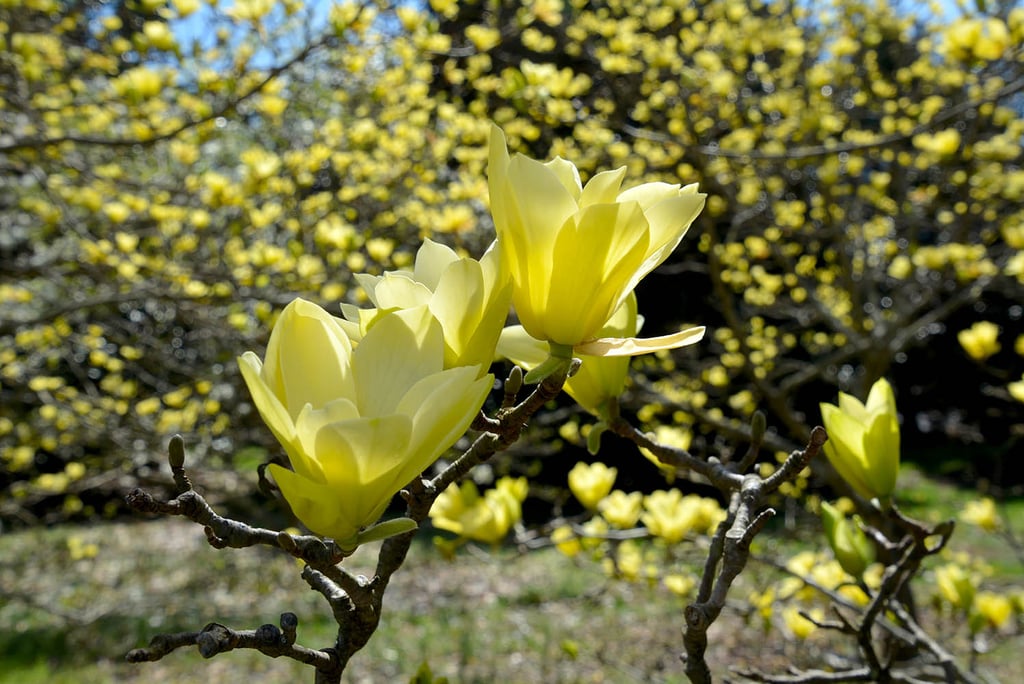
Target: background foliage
172	173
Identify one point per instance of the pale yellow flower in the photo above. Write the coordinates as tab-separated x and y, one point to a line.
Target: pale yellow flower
599	379
357	425
955	585
864	440
469	298
488	518
574	253
620	509
982	513
591	483
980	341
995	608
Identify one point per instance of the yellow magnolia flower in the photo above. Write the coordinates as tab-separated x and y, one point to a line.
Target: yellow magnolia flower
487	518
955	585
357	425
797	624
469	298
1016	389
620	509
591	483
982	513
599	379
864	440
566	541
574	253
980	341
994	608
671	516
851	547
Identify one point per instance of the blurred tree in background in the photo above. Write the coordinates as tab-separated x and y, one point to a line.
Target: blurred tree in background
172	173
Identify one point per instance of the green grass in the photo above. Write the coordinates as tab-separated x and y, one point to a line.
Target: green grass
508	617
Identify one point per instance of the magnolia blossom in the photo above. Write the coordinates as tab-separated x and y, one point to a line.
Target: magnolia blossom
671	516
599	379
591	483
620	509
575	253
357	424
980	341
469	298
488	518
851	547
864	440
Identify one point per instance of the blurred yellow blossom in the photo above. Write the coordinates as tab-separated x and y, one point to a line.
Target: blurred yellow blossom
460	509
995	608
591	483
566	541
982	512
955	585
980	341
620	509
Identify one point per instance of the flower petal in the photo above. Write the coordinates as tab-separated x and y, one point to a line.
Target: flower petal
307	358
432	259
442	408
632	346
314	504
400	349
603	188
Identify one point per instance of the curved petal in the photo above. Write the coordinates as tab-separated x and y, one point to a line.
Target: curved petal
632	346
882	453
362	460
399	350
669	221
397	290
603	188
543	200
851	406
845	447
432	258
442	407
595	257
566	173
314	504
881	398
308	357
307	428
273	412
519	347
457	304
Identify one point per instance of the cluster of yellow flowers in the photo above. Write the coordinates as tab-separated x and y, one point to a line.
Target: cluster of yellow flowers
668	516
363	405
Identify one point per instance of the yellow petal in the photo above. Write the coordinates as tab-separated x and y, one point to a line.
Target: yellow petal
845	449
457	303
432	259
314	504
273	412
603	188
307	357
632	346
396	290
400	349
597	256
442	407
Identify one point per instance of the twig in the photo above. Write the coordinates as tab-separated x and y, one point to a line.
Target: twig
216	638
